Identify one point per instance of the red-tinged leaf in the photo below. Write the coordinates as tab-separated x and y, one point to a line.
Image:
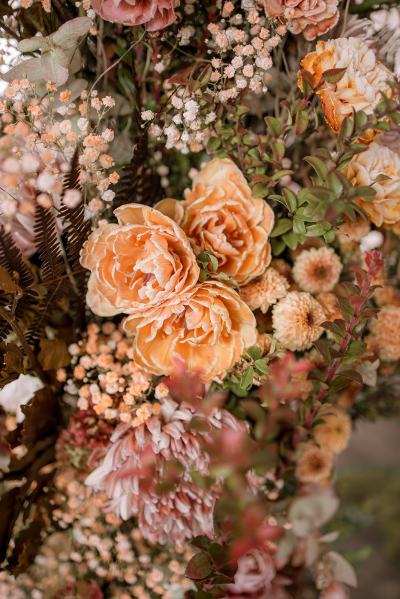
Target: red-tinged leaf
199	567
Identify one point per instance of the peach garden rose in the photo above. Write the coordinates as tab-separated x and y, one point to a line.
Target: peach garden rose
221	216
309	17
360	86
154	14
138	263
208	328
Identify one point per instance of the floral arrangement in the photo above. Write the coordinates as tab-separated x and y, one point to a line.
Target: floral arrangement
199	290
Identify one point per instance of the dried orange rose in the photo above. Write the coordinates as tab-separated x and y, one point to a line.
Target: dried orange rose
208	328
364	169
360	85
222	217
138	263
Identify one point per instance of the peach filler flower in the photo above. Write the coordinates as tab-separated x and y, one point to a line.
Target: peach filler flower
135	463
314	464
263	292
364	169
138	263
154	14
317	270
309	17
222	217
360	86
334	432
297	320
30	176
208	328
386	333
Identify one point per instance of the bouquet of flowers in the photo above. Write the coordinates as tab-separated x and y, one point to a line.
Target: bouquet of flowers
199	290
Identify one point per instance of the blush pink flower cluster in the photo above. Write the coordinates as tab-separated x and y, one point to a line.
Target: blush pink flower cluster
154	14
137	456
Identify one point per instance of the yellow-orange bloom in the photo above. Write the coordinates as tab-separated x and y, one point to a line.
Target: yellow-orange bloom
360	86
364	169
222	217
314	464
334	432
208	328
138	263
386	333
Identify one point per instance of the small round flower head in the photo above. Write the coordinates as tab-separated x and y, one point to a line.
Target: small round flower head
334	432
317	270
314	464
386	336
265	291
297	320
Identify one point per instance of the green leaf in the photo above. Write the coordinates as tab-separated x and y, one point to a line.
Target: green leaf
274	125
261	366
292	240
282	226
334	75
318	165
290	198
260	190
254	352
301	121
247	378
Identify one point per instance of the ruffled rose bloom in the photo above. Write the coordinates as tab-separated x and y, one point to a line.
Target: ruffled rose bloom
309	17
154	14
360	86
138	263
363	169
208	328
220	215
29	176
135	463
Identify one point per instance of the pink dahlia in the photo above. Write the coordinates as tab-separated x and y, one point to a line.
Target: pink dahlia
159	454
154	14
309	17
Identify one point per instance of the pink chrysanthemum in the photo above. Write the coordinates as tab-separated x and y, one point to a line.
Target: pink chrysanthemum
136	465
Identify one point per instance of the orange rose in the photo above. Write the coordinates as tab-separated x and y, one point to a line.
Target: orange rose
138	263
360	86
208	328
222	217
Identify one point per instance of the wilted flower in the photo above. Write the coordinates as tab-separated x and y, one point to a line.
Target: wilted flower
154	14
314	464
263	292
360	86
365	169
138	263
254	574
309	17
18	393
317	270
208	328
297	320
136	464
